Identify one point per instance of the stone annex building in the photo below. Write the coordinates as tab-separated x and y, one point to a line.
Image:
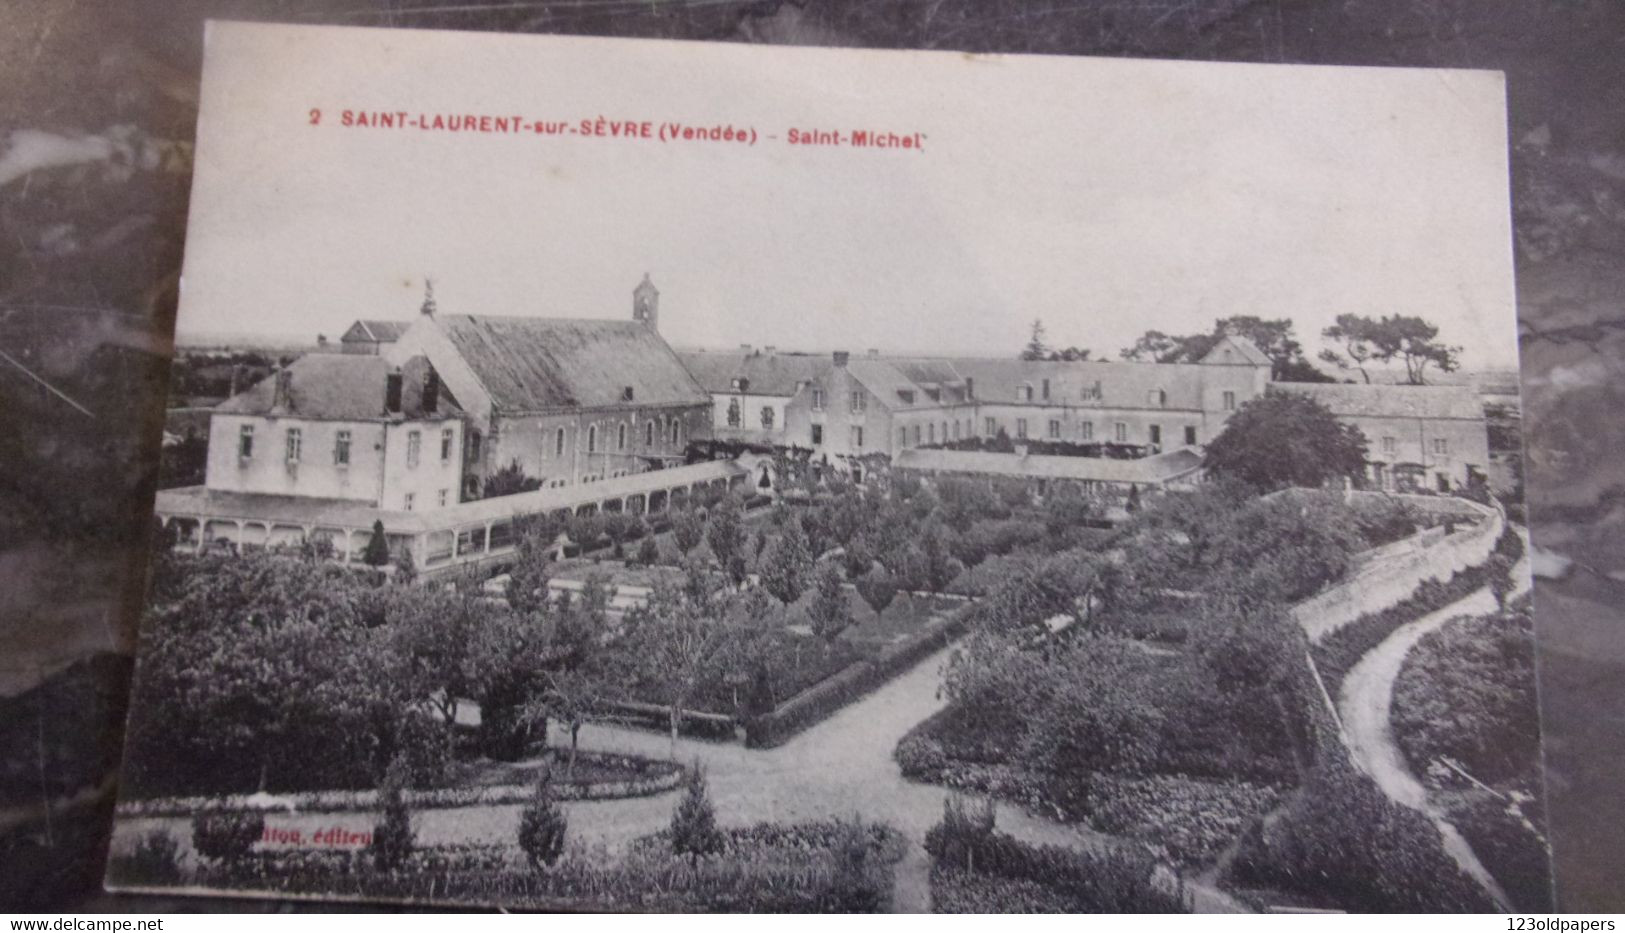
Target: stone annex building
408	423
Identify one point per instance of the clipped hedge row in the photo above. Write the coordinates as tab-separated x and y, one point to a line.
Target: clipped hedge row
713	726
1115	879
823	699
1337	653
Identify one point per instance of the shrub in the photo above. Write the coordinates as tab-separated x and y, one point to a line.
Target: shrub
542	827
965	828
155	861
694	822
392	838
226	836
648	552
1509	848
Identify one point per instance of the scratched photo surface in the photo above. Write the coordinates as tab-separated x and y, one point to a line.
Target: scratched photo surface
633	474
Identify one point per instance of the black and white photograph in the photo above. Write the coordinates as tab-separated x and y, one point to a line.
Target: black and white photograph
645	475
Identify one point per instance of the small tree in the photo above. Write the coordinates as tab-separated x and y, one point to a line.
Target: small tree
225	836
392	838
377	552
830	611
694	823
878	589
725	532
648	552
787	563
509	481
687	529
542	827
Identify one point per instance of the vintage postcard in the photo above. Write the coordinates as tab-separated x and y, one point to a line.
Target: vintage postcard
645	475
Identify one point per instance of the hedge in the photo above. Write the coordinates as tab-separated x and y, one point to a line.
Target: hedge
1110	879
823	699
714	726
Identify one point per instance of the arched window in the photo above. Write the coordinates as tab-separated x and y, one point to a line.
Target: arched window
620	437
558	443
675	431
649	433
592	439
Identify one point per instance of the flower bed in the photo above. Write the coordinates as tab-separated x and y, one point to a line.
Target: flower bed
643	777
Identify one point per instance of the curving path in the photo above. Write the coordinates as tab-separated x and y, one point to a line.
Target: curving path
841	767
1364	702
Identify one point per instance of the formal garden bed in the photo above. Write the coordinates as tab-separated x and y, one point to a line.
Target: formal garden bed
1466	717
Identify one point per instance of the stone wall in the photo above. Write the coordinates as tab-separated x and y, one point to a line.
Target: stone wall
1386	575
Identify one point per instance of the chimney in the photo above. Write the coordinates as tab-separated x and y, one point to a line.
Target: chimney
841	357
282	390
392	393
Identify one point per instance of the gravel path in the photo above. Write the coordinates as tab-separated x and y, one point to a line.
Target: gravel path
841	767
1364	702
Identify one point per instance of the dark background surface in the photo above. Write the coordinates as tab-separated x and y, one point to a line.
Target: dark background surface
90	258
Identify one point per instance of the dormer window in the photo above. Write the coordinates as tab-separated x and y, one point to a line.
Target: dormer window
626	394
1024	393
1156	398
907	395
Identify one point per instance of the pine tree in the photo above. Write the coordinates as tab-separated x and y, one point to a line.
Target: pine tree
377	552
694	823
542	827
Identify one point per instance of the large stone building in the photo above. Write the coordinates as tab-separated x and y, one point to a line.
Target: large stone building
1417	437
567	400
751	389
873	404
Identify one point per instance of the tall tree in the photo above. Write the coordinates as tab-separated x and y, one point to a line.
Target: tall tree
1411	340
1036	348
878	589
681	637
787	563
1286	439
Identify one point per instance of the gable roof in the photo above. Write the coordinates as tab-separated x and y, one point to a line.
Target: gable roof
1242	352
376	331
1355	400
779	374
1122	384
329	387
535	364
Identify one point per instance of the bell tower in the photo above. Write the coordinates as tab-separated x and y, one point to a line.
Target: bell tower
646	303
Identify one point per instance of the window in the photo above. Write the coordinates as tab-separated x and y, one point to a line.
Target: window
1229	401
558	443
295	444
931	433
817	434
1024	394
676	432
916	435
1046	390
733	413
991	427
245	442
1190	436
414	447
620	436
818	400
649	433
1156	434
907	395
1021	427
857	435
1093	392
446	434
410	498
443	496
1441	446
1120	432
1156	398
341	448
902	437
767	417
1054	428
592	439
956	429
474	445
857	402
1087	430
1389	445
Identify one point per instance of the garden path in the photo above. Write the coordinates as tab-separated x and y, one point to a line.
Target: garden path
1365	703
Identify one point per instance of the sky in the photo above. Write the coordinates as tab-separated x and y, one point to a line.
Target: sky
1105	197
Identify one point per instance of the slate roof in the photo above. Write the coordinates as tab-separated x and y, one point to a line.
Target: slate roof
535	364
1153	470
1122	384
1357	400
888	381
329	387
380	331
777	374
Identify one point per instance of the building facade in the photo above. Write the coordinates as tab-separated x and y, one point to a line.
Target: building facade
751	390
1417	437
566	400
